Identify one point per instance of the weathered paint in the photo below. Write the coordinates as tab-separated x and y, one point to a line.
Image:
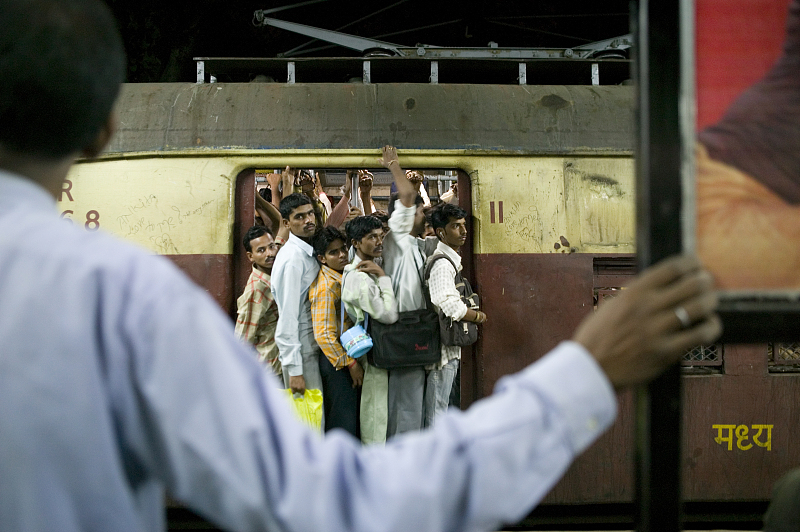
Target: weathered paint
549	119
171	206
182	202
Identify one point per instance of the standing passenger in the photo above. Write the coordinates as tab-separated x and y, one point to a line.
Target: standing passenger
339	387
404	258
294	270
257	314
367	290
450	224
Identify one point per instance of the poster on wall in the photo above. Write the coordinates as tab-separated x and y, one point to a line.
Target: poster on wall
746	186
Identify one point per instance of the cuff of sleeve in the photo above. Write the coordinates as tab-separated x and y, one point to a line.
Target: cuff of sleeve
571	378
293	370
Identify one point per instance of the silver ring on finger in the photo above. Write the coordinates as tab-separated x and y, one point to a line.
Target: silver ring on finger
683	317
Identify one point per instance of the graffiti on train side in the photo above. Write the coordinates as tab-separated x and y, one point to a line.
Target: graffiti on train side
169	206
524	222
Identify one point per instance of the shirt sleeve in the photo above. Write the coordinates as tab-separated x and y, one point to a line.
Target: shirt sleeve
376	298
442	288
326	324
201	415
287	296
250	316
402	219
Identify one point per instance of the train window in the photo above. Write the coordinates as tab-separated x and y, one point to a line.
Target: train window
784	358
703	359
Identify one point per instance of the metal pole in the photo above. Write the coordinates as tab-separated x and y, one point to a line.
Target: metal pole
659	200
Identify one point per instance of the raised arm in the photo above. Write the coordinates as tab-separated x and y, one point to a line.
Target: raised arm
405	189
365	179
268	210
340	211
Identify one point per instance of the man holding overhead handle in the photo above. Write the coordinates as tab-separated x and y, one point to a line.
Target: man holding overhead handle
138	383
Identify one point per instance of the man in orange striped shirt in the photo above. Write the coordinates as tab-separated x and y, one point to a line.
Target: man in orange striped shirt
339	387
257	315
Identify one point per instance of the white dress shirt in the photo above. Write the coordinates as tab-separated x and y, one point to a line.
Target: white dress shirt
293	271
118	377
404	257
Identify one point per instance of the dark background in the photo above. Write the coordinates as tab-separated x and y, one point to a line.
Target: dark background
162	38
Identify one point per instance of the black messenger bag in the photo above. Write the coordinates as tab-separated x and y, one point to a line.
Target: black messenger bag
413	340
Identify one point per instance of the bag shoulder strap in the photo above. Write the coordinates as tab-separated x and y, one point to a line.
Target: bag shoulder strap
432	260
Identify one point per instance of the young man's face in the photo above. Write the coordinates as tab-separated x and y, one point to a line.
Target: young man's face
371	246
454	234
263	252
302	222
335	256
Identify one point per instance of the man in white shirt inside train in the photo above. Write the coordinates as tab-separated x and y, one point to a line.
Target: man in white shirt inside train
137	382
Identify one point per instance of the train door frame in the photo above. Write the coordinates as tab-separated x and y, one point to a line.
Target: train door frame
244	208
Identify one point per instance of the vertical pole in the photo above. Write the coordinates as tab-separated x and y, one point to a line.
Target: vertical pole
290	73
434	72
595	74
367	73
661	144
201	72
523	74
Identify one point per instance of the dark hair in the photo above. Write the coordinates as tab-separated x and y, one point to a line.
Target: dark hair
360	226
395	196
291	202
266	193
383	216
257	231
323	238
61	66
442	213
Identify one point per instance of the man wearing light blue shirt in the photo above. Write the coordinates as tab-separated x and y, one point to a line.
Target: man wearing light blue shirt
120	378
294	270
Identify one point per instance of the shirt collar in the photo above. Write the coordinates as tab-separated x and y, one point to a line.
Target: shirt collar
450	253
330	273
16	190
302	244
263	274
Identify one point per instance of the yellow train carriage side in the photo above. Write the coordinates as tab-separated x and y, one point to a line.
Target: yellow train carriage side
547	175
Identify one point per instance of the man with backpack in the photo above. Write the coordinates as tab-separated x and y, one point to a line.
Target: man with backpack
453	299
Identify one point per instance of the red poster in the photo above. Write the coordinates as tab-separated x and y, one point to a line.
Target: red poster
748	154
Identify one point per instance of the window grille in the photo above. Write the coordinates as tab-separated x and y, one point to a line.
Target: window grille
784	357
703	355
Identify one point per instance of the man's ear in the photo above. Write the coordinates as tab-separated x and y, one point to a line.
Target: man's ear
249	255
103	137
285	222
321	259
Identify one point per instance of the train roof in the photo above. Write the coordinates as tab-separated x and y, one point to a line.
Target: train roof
545	119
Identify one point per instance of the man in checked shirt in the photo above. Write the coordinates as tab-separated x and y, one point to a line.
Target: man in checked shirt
257	314
450	225
339	387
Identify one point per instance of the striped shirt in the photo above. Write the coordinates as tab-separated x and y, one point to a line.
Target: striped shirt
325	295
257	318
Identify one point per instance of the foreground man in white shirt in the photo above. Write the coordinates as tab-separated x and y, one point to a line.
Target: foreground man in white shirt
119	377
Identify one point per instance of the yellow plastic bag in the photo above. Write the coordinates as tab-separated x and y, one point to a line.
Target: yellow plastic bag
308	407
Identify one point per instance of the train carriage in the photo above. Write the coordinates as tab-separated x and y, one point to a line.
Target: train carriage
547	174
